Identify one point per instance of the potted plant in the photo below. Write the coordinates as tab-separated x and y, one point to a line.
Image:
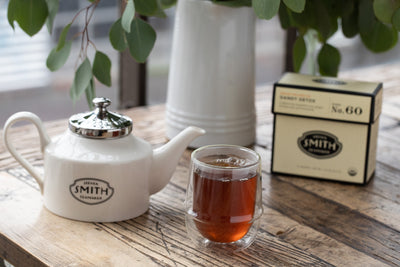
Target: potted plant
376	21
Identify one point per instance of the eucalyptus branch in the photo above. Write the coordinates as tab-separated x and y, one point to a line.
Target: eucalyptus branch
82	10
85	39
376	22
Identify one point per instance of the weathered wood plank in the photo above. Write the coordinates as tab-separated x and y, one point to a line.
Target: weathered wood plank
377	200
158	236
315	242
301	236
338	221
386	73
55	241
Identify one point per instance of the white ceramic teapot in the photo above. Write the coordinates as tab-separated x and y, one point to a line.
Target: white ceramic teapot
97	171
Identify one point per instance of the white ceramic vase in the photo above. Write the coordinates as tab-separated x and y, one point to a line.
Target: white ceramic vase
211	80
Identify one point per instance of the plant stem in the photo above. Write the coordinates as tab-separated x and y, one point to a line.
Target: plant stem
311	39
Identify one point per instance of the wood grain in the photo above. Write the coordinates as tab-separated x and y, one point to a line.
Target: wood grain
306	222
337	221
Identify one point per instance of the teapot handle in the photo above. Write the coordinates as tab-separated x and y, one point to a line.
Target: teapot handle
44	141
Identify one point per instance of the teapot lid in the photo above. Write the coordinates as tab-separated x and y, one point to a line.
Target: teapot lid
100	123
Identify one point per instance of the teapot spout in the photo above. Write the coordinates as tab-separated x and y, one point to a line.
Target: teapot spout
166	158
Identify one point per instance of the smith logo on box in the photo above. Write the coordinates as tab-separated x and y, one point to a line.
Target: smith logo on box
319	144
325	128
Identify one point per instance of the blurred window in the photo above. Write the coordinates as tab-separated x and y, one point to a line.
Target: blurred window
25	81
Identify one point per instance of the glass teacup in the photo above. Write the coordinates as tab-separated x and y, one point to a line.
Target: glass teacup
223	199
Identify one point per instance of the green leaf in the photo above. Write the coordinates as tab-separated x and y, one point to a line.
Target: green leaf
285	17
83	76
53	9
366	16
350	26
11	12
376	36
328	60
128	15
348	8
266	9
140	40
117	36
63	36
30	14
90	94
299	53
57	58
102	68
167	3
335	7
160	10
295	5
72	92
233	3
349	19
146	7
306	19
384	9
326	26
396	19
380	38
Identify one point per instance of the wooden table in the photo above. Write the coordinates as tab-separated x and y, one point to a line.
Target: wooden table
305	221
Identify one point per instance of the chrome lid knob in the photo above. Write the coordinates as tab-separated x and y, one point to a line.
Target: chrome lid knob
101	104
100	123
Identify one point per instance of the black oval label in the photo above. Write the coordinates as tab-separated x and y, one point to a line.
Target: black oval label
91	191
319	144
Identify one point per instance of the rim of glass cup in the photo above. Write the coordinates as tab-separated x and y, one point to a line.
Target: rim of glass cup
248	150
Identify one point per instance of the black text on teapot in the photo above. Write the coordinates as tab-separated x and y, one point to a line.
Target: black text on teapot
91	191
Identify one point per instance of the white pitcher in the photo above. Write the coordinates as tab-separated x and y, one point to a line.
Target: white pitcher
211	79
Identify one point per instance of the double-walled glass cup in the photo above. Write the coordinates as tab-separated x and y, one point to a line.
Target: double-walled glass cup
223	200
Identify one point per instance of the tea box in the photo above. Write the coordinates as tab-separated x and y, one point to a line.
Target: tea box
325	128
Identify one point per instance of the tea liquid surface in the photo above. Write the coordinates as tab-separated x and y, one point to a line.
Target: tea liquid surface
224	204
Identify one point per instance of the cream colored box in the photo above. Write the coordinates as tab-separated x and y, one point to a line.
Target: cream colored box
325	128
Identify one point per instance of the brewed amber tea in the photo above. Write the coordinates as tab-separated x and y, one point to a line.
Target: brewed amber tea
223	200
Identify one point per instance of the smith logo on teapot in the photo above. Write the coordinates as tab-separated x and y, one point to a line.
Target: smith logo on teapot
319	144
91	191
